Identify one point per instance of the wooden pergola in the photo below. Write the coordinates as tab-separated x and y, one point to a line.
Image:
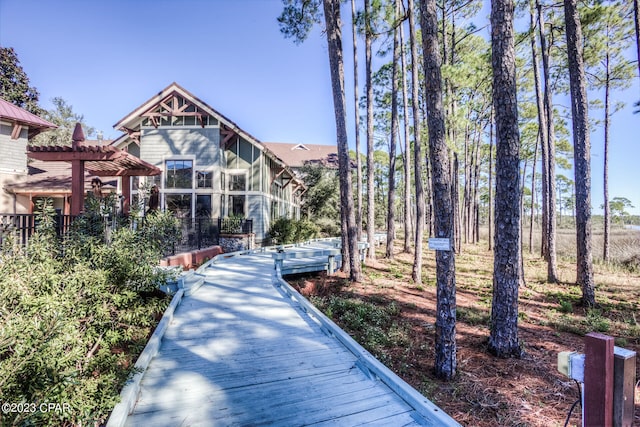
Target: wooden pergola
103	161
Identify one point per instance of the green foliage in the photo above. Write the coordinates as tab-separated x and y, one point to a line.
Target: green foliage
618	206
474	316
566	306
232	224
285	230
298	17
75	317
61	115
322	198
370	324
597	322
14	83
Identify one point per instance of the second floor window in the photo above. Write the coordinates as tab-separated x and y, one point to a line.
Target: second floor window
179	174
205	179
237	182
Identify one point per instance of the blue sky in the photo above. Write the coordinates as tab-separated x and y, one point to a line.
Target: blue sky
107	57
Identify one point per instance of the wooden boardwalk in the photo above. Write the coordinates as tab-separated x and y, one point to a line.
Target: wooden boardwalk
241	352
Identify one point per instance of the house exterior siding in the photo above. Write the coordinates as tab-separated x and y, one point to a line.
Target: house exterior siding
14	152
13	167
240	177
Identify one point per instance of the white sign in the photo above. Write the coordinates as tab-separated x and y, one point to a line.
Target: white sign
441	244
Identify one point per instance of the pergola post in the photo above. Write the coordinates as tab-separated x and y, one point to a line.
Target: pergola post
77	187
77	173
126	193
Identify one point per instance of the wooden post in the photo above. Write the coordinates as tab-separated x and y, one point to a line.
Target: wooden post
77	187
332	264
624	382
126	193
598	380
77	173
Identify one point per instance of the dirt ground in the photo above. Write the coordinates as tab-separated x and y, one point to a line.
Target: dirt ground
487	391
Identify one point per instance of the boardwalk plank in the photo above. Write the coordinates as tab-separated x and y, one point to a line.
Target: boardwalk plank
237	352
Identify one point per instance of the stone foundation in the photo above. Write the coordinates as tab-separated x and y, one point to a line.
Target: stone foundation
237	242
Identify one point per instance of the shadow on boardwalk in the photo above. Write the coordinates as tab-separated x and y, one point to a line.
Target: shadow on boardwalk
240	352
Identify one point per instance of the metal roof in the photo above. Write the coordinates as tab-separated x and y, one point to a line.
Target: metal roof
12	113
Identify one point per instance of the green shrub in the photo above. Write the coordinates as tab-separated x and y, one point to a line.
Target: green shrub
370	324
285	230
74	318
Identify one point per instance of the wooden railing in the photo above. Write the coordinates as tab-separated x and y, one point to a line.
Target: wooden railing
22	226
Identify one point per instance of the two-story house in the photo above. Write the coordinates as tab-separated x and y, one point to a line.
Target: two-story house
210	167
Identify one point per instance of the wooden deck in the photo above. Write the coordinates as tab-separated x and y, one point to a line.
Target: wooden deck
240	351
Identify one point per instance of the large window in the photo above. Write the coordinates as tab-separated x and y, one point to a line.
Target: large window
179	174
204	179
237	182
236	205
203	205
179	204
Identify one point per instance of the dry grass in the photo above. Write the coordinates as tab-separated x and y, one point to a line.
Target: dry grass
488	391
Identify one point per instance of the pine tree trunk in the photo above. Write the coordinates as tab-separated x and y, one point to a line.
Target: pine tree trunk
445	363
636	19
542	121
549	163
371	219
542	129
391	196
533	194
466	189
607	217
334	41
416	273
356	121
490	215
408	234
581	153
476	192
503	339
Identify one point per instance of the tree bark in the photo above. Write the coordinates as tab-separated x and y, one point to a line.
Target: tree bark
408	234
336	65
391	214
533	194
581	152
607	217
445	363
549	163
503	339
636	19
416	273
490	215
371	219
356	121
542	128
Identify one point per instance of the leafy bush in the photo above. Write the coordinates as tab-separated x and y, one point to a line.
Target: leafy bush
285	230
372	325
74	318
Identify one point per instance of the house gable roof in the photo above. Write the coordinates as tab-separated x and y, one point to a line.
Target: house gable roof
21	117
130	124
298	155
165	98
